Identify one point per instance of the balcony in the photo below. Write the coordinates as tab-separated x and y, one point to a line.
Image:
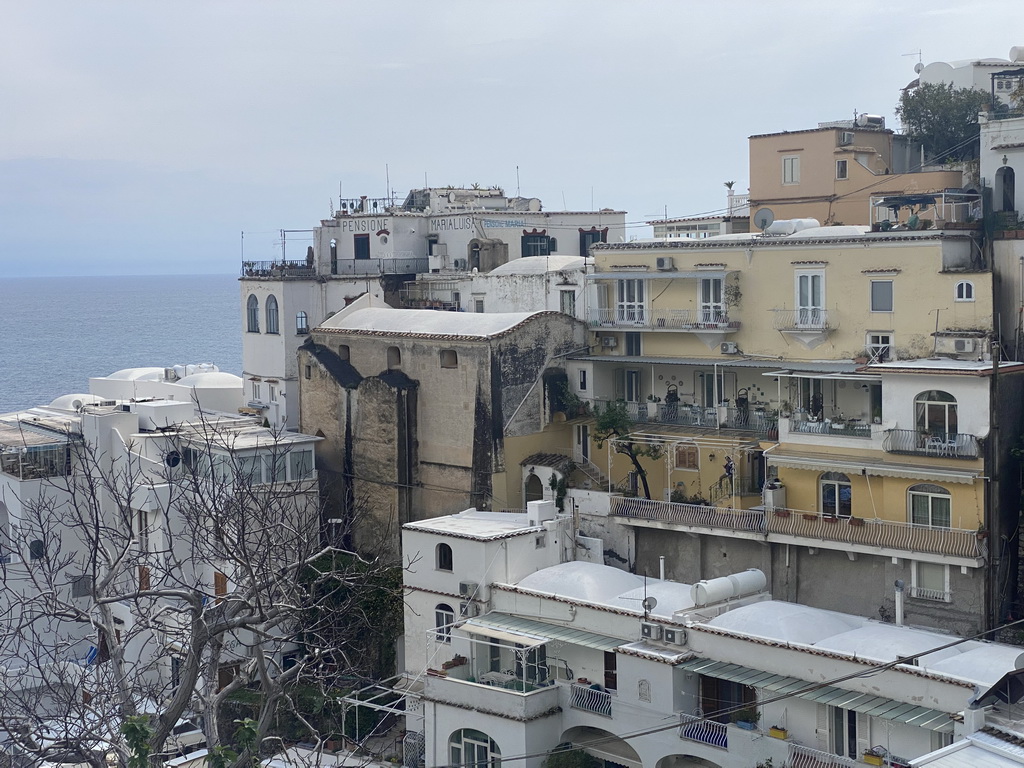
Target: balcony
693	728
809	326
784	525
506	702
405	264
278	270
829	427
680	414
590	699
916	442
805	757
689	320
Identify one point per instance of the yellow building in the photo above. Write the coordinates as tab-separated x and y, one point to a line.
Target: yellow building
819	406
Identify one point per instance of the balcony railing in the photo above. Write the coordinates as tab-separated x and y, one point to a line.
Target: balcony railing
829	427
805	757
667	319
590	699
695	728
278	269
916	442
883	534
804	320
680	414
923	593
397	265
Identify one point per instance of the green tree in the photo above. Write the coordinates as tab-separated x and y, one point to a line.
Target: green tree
614	425
943	118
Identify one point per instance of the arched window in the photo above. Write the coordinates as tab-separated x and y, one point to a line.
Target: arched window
964	291
302	323
473	748
930	505
534	488
836	495
444	617
394	358
443	557
449	358
935	412
252	314
272	324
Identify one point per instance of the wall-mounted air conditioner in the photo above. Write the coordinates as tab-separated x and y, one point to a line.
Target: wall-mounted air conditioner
665	263
650	631
610	342
954	345
468	610
846	138
467	588
729	348
675	636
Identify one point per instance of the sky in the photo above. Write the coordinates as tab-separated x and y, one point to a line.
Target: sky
145	137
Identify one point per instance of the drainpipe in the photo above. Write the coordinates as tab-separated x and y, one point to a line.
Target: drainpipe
661	567
899	602
993	521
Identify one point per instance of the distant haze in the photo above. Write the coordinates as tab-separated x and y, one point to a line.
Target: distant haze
142	138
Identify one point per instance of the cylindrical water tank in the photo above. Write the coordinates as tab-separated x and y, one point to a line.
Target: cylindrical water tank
712	591
748	582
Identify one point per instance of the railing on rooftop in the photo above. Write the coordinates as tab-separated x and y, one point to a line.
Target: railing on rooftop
392	265
804	320
668	319
694	728
36	462
278	269
917	442
872	532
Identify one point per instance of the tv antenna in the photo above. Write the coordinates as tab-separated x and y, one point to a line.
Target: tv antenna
920	63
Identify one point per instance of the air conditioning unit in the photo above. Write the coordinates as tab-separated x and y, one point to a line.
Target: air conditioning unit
609	342
665	263
965	345
675	636
460	263
729	348
650	631
951	345
846	138
468	610
467	588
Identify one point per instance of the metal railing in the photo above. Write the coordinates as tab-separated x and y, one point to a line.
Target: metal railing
708	417
397	265
917	442
829	427
804	320
694	728
590	699
805	757
278	269
873	532
923	593
669	319
49	461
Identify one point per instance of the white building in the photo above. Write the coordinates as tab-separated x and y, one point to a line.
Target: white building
376	246
514	647
969	73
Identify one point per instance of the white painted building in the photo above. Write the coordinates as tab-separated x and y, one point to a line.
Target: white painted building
514	647
969	73
378	245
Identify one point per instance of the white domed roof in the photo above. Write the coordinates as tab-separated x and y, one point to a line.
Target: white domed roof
586	581
212	379
788	622
74	401
538	265
137	374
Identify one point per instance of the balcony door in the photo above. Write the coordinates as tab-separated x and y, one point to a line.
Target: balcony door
630	308
810	299
712	304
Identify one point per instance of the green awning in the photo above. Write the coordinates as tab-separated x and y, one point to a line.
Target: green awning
875	706
534	630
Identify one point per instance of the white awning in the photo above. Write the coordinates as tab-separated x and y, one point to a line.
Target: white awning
857	466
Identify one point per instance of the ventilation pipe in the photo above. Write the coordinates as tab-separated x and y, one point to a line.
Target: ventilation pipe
899	602
661	567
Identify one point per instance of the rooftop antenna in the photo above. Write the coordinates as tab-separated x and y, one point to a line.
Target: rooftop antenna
387	183
517	181
920	64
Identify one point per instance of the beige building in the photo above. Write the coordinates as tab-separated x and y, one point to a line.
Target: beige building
830	173
850	367
422	410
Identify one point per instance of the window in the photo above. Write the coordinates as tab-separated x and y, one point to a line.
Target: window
879	347
443	557
810	299
444	617
567	302
300	464
256	391
935	412
343	351
473	749
36	549
687	457
724	696
791	169
272	325
633	344
712	307
583	380
394	358
538	244
848	732
630	305
252	314
881	295
457	299
588	238
478	305
627	385
361	244
930	505
841	169
302	323
220	585
274	468
836	495
964	291
449	358
142	530
309	371
334	257
81	586
272	393
930	581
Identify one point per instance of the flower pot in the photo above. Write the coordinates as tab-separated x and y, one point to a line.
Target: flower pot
782	513
746	726
873	759
778	733
810	517
857	521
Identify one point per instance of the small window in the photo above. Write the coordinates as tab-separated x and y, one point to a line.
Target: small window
256	391
302	323
443	555
309	371
633	344
964	291
478	306
444	617
841	169
791	169
449	358
36	549
881	295
687	457
583	380
272	324
567	302
879	347
300	464
252	314
394	358
272	390
343	351
930	582
81	586
361	244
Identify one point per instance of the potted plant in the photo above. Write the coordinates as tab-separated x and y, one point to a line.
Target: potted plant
778	732
875	756
856	521
746	718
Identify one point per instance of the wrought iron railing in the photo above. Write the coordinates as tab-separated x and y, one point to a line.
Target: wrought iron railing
917	442
694	728
805	757
804	320
923	593
805	426
708	417
669	319
721	518
278	269
590	699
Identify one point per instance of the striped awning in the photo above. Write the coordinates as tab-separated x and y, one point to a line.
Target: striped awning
532	632
874	706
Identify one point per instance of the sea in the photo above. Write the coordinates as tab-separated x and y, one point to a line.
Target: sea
56	332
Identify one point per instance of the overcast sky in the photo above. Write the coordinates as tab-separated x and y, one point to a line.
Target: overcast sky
143	137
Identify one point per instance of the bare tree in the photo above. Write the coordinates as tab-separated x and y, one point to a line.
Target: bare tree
159	576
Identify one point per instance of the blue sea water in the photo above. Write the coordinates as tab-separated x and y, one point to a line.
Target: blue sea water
56	332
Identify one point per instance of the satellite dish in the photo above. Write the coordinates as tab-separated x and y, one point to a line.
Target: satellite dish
763	218
918	67
649	603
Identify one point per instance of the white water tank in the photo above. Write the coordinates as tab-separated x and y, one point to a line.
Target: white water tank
790	226
711	591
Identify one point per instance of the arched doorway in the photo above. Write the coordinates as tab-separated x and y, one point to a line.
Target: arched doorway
686	761
610	749
534	489
1005	191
